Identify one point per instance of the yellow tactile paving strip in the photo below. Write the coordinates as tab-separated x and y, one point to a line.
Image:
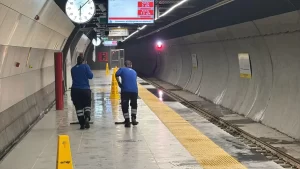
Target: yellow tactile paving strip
208	154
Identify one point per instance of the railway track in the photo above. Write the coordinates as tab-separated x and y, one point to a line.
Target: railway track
270	152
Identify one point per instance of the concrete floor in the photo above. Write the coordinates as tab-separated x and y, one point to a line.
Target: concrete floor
150	145
105	145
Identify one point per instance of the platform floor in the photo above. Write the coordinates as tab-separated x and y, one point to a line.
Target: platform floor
169	136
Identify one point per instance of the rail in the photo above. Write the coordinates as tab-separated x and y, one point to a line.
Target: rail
270	152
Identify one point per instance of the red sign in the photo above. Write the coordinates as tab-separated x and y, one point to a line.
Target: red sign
102	57
145	4
146	12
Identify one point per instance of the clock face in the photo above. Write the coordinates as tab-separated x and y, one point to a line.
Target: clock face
80	11
96	42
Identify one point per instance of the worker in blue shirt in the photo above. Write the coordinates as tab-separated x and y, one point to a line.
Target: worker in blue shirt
129	92
81	92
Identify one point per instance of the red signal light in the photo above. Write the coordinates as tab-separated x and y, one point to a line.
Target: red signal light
159	44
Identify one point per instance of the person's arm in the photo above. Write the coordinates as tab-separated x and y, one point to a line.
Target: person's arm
119	73
89	72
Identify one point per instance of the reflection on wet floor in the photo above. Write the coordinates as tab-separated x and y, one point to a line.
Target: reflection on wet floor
161	95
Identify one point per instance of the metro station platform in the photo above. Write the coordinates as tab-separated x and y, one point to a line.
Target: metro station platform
166	138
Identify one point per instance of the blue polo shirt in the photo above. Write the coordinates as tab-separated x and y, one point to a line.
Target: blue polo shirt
81	75
129	79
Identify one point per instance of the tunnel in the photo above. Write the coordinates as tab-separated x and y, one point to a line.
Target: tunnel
267	31
234	60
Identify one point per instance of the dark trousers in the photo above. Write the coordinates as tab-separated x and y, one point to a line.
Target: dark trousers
82	101
125	98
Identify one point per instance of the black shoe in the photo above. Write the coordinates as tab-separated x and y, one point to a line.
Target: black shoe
81	127
127	123
134	122
87	123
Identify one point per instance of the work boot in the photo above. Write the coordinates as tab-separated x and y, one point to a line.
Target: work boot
134	122
87	118
81	122
127	123
87	123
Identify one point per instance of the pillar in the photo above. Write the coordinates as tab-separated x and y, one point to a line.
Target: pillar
58	66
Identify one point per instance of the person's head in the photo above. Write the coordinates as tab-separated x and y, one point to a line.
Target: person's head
79	60
128	63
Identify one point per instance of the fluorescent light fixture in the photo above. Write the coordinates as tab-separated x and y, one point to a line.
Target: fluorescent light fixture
164	14
172	8
143	27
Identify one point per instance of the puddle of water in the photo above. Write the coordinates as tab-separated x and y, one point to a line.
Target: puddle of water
161	95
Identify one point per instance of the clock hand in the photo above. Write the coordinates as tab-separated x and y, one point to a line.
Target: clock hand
85	3
80	10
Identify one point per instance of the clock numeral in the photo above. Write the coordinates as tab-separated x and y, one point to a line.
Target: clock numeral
85	17
69	8
90	13
71	14
80	18
91	7
71	3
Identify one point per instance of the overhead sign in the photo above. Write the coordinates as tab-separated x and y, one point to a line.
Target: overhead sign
131	12
118	32
110	43
245	65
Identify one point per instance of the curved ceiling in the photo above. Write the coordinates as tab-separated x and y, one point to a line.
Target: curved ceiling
163	5
207	15
212	16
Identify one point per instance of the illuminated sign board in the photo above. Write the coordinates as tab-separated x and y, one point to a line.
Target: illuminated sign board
110	43
118	32
131	11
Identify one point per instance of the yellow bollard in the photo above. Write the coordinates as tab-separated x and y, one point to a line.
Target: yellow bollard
64	155
107	70
114	92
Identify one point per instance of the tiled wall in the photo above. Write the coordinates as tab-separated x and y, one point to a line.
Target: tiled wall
26	90
19	117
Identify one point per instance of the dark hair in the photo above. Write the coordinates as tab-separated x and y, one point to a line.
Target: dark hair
128	63
79	60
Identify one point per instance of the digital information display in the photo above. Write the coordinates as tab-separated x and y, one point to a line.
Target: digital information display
131	11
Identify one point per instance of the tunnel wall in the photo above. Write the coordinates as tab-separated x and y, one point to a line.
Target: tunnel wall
28	89
79	46
271	97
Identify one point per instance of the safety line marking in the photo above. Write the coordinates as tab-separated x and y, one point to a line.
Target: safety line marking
208	154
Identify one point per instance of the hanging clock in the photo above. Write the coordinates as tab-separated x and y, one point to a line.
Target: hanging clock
96	41
80	11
